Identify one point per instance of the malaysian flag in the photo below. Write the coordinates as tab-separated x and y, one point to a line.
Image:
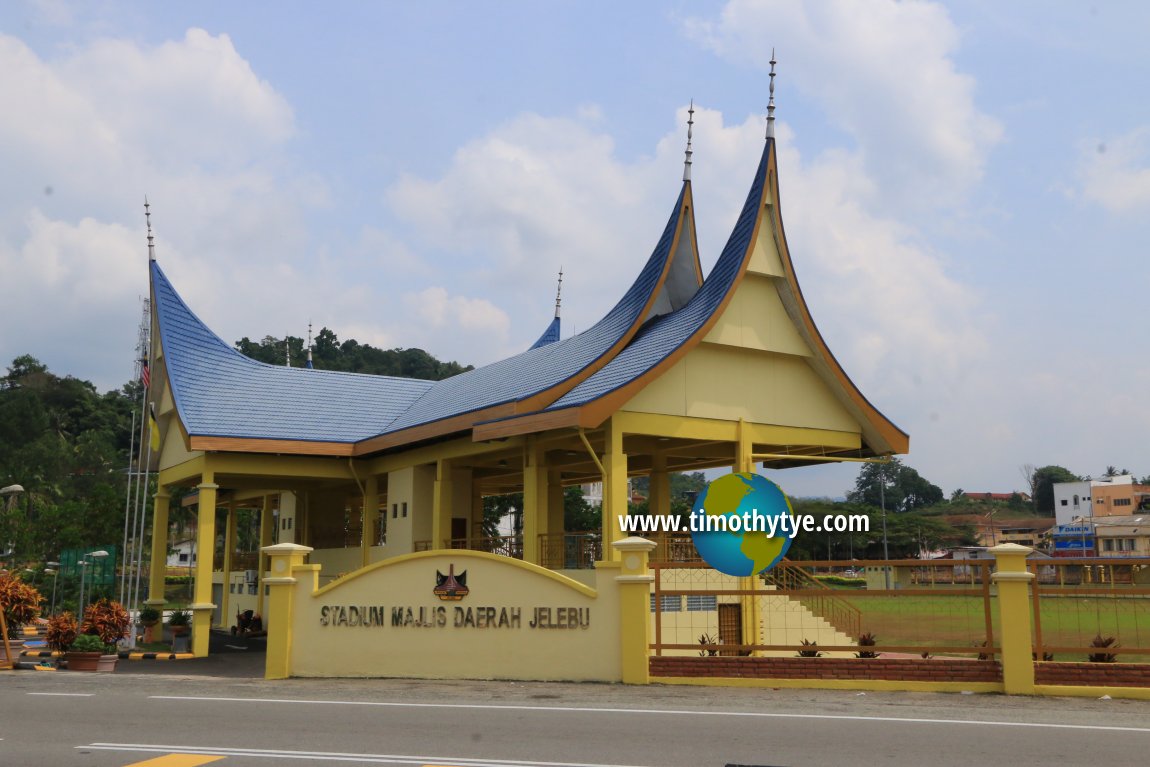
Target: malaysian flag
145	374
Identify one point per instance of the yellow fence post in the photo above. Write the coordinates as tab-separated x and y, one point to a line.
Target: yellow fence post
1014	617
634	608
282	559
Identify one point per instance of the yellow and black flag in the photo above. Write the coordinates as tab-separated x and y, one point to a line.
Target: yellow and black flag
153	427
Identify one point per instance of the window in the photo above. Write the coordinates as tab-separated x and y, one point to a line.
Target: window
670	604
1108	544
1063	502
697	603
404	509
395	511
1121	501
1128	544
252	589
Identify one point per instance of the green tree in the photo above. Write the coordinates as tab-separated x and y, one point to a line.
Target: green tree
894	484
1043	482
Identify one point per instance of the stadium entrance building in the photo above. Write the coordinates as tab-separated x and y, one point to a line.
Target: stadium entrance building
381	480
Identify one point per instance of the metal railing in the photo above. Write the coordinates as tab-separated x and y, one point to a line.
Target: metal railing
570	551
504	545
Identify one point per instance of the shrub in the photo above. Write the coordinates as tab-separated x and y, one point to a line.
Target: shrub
867	640
810	649
62	631
91	643
106	619
179	618
20	603
707	639
150	615
1103	657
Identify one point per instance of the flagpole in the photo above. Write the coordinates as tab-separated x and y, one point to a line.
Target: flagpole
128	505
138	554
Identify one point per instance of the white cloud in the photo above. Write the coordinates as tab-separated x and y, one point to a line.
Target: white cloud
1116	174
883	71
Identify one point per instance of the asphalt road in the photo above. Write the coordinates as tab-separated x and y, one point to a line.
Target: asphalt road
129	717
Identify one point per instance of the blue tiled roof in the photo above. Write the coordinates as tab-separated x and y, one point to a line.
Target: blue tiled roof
543	367
221	393
550	335
662	336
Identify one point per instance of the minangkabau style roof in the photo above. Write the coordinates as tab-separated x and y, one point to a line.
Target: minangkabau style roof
577	381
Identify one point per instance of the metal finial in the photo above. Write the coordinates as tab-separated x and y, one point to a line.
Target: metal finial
151	239
287	350
559	292
771	102
309	360
690	125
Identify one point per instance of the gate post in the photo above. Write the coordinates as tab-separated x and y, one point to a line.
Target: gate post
282	559
634	600
1014	617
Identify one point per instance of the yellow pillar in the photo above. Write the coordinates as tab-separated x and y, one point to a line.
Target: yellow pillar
202	605
634	581
535	496
659	500
283	559
369	516
441	505
266	530
1014	617
555	523
476	531
744	463
159	566
229	547
614	489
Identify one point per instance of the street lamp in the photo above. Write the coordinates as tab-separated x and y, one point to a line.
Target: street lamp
83	565
53	572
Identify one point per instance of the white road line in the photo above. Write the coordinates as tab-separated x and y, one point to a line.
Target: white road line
657	712
338	756
66	694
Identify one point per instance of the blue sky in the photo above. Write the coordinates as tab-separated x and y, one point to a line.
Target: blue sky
966	188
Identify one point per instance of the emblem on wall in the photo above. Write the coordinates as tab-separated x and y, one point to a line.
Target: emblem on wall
451	587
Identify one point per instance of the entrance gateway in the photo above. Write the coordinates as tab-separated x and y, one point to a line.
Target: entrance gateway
369	489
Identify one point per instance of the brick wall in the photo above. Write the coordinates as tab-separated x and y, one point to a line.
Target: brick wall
1093	674
899	669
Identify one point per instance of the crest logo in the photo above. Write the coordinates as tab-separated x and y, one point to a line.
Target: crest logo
451	587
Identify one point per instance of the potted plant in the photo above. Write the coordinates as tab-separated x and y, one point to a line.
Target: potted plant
20	604
149	617
91	653
106	619
62	631
180	622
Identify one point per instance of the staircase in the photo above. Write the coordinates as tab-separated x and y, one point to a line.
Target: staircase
839	614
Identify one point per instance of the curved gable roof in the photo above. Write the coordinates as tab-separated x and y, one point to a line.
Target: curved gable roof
533	379
219	392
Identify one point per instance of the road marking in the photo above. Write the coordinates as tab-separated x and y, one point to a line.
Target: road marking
656	711
177	760
66	694
334	756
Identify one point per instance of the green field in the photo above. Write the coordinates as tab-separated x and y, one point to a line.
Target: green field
956	620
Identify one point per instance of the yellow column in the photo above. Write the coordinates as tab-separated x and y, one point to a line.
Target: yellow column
283	559
744	463
159	566
476	531
634	581
441	505
369	516
614	489
266	523
659	500
535	497
202	605
229	547
555	523
1014	617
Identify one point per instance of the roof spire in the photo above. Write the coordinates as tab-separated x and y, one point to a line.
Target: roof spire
771	103
287	350
309	364
559	292
687	158
151	239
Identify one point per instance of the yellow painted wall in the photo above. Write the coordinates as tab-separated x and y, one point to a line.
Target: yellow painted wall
413	486
172	451
448	651
756	319
722	382
336	562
